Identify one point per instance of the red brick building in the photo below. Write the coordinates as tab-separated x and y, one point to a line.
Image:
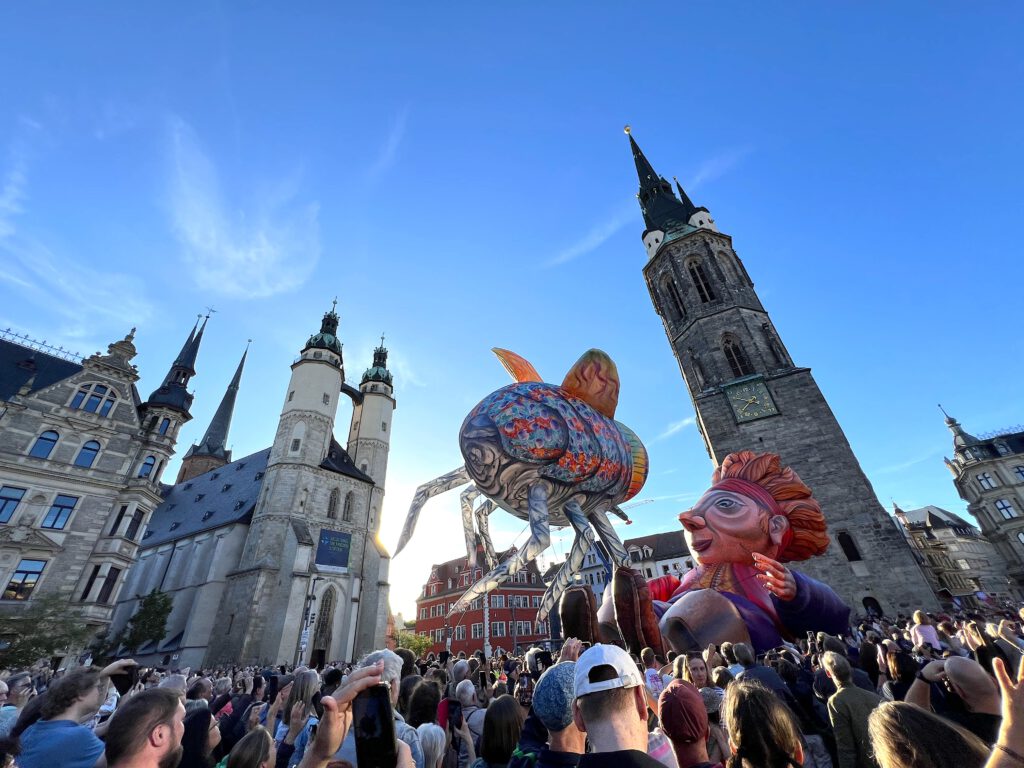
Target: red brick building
506	618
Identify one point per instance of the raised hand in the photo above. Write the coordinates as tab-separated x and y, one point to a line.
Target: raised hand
1011	731
337	717
775	577
570	650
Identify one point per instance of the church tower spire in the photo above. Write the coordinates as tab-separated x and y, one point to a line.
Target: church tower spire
173	392
748	394
212	452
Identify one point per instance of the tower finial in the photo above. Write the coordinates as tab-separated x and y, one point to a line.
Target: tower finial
334	305
627	130
943	411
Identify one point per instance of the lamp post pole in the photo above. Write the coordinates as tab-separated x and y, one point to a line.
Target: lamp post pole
307	619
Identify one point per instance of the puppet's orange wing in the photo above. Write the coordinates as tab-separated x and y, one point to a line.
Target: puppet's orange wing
594	380
518	367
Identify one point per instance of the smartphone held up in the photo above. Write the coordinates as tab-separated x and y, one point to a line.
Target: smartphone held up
374	726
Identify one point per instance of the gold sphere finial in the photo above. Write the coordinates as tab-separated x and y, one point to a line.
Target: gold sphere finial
627	129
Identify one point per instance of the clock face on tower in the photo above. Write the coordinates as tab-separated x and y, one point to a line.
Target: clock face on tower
750	400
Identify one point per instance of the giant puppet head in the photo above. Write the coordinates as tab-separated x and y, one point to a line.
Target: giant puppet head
754	505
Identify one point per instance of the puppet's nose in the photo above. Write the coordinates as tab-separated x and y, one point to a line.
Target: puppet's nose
692	521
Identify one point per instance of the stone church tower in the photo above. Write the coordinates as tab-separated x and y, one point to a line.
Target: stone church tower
311	583
749	394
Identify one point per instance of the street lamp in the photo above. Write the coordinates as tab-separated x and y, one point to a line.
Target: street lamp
307	618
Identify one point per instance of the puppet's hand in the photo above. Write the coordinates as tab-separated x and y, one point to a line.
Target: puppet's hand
775	577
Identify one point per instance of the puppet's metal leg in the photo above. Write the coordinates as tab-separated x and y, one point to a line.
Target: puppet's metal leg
426	491
540	538
612	542
466	499
582	543
483	525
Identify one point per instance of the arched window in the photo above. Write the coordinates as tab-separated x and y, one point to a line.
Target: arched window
87	454
700	281
728	268
164	426
848	546
672	300
738	360
94	398
298	432
147	466
332	505
346	513
44	444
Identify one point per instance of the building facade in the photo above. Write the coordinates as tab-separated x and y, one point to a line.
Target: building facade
962	566
660	554
749	394
81	456
275	558
505	619
989	475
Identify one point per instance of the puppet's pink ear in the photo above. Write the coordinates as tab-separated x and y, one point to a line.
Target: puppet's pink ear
519	368
594	380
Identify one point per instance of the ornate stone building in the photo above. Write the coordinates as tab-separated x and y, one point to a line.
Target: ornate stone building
275	557
81	456
749	393
961	565
989	475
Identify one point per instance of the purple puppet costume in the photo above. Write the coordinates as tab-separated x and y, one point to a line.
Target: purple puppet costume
756	516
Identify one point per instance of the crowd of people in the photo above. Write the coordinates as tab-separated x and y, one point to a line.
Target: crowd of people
921	692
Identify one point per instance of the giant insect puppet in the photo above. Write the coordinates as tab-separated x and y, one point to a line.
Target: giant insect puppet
550	455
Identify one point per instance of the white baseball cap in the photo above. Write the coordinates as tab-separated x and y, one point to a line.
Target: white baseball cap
627	672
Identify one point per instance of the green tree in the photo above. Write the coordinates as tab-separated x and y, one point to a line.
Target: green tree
415	643
149	623
46	626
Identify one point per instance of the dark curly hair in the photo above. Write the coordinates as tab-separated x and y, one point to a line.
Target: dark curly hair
65	691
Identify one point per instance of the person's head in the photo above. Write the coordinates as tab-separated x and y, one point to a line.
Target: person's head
405	689
833	644
175	683
332	677
721	677
200	689
837	667
254	750
408	662
744	655
696	671
392	674
920	617
465	692
79	693
902	666
305	686
972	683
726	650
423	704
222	686
147	729
552	698
685	721
762	730
432	741
503	725
19	689
610	705
201	737
907	736
754	505
3	693
647	657
460	670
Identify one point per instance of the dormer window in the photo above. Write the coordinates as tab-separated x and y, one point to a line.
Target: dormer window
94	398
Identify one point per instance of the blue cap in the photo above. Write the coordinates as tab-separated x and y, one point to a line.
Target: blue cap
553	695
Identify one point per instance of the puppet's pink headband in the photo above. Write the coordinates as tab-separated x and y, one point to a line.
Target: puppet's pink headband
764	499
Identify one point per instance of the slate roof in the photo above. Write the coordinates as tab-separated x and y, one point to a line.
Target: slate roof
936	517
339	461
214	499
18	364
664	545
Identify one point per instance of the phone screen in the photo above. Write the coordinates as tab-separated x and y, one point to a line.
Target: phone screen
483	679
443	657
455	714
124	681
374	725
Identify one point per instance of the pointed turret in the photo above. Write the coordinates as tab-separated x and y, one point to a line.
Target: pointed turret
961	439
173	392
212	452
379	370
661	208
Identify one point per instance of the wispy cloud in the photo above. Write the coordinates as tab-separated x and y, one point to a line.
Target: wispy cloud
388	154
597	236
715	167
14	179
269	246
904	465
676	427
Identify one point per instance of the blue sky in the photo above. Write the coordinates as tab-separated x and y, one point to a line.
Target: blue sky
457	175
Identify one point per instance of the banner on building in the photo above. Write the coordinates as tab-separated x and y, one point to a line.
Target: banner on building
332	551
